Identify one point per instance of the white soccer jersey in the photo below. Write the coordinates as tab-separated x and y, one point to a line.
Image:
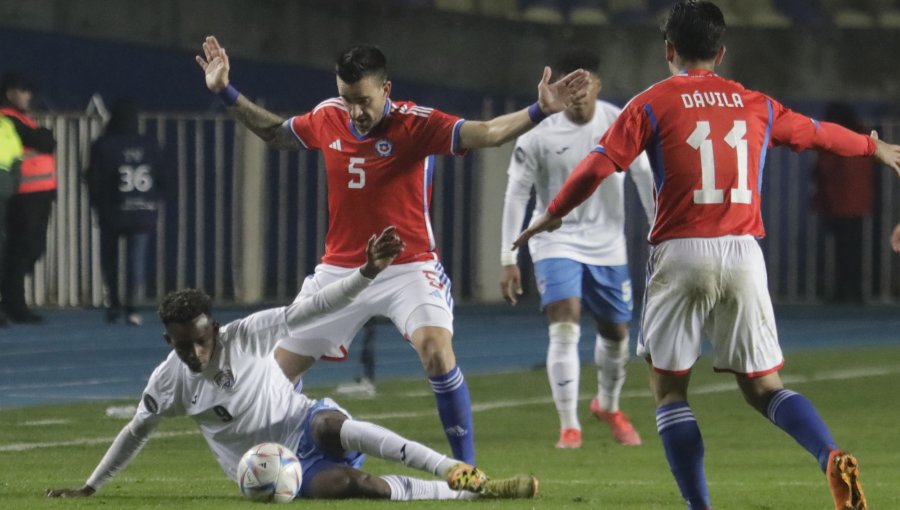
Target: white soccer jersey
242	398
544	157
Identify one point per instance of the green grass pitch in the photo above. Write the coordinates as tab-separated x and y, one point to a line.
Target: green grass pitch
750	464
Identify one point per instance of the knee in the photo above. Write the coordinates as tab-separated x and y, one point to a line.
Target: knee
326	430
613	331
435	348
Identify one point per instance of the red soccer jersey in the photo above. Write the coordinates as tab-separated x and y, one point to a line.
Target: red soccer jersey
707	138
379	179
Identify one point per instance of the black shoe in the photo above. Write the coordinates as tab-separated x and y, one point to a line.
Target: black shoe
4	322
112	314
25	317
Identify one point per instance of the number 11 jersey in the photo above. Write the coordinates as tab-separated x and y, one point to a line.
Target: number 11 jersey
706	138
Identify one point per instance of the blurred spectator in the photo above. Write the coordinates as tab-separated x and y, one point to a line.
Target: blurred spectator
844	195
10	166
28	211
126	180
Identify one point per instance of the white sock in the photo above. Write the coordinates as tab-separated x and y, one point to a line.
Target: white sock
611	357
404	488
563	371
380	442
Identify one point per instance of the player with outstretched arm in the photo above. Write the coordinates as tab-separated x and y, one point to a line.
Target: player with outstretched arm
226	379
379	163
707	139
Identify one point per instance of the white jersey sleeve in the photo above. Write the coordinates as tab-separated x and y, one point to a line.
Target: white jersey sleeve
261	331
159	400
521	175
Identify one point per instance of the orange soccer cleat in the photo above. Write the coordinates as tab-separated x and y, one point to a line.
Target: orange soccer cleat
569	438
843	480
465	477
622	429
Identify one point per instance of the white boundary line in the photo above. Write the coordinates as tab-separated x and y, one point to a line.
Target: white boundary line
831	375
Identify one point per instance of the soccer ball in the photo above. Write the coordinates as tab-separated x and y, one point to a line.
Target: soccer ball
269	472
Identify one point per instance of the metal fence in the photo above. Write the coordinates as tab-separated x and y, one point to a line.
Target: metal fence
201	240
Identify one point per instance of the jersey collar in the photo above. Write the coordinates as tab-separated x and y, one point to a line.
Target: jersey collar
359	136
697	72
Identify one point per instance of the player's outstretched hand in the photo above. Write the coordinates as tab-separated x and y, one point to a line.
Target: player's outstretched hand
887	153
70	493
511	283
214	64
895	239
557	96
381	251
545	223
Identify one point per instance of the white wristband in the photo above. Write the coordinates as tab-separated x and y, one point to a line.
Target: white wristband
509	258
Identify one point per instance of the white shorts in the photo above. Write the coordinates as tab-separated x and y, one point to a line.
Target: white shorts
412	295
714	287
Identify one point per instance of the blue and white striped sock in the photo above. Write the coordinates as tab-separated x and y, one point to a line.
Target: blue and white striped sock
455	410
797	416
683	444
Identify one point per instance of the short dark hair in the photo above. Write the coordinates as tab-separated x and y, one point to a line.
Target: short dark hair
354	64
16	80
184	306
695	28
573	60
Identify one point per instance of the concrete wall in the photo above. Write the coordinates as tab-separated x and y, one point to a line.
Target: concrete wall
490	54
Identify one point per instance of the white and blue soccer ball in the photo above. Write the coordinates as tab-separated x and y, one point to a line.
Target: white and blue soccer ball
270	473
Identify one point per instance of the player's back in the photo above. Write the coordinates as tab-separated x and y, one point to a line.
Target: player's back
707	147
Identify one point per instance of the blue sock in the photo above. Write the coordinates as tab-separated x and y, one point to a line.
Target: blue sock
455	410
797	416
684	450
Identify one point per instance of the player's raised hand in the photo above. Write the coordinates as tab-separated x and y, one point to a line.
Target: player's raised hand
70	493
555	97
545	223
511	283
887	153
381	251
214	64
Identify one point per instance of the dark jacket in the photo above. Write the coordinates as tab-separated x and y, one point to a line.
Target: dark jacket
126	176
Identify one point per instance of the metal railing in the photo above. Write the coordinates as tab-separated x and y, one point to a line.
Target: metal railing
202	234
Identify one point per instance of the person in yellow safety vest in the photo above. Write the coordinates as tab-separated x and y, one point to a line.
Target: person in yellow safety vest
10	167
28	211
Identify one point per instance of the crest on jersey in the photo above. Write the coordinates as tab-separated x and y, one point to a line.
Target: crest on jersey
225	379
384	147
520	155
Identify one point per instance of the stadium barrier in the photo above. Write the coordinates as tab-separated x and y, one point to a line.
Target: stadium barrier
247	224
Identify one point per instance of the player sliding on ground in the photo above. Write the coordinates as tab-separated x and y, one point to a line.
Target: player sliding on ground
378	157
707	139
226	379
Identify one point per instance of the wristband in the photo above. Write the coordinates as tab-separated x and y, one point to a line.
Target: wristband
536	114
229	95
509	258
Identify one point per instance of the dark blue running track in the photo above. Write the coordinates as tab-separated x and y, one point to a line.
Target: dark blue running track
75	356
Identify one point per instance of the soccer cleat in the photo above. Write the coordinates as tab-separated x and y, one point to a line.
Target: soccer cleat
517	487
569	438
622	429
465	477
843	479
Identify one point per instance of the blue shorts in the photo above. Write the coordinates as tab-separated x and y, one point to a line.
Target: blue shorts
604	290
312	459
